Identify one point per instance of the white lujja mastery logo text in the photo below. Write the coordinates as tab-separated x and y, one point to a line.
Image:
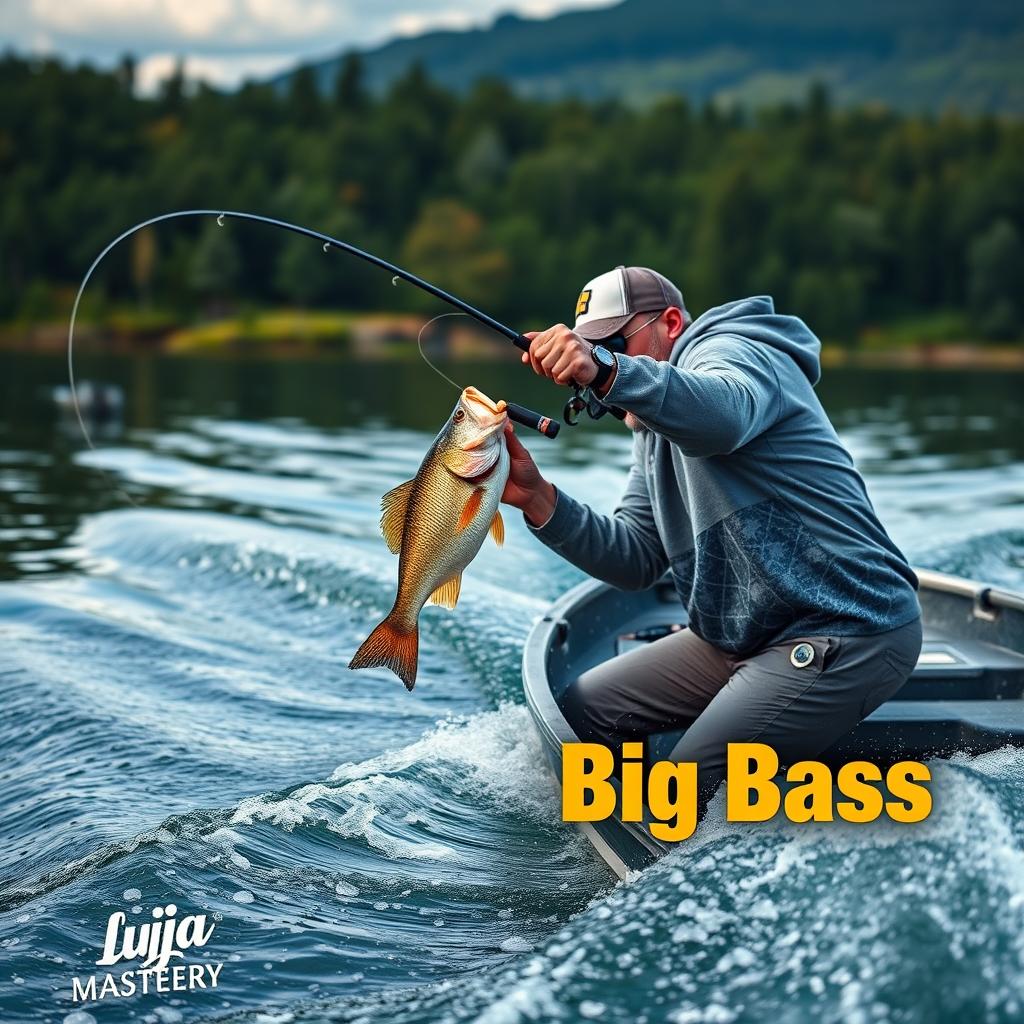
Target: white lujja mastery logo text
155	943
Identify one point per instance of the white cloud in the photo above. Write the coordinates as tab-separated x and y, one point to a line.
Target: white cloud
542	8
199	18
291	16
89	16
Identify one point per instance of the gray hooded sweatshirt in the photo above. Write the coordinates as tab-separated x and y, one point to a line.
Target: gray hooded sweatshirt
741	488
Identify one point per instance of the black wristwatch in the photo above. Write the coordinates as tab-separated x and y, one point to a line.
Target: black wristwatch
605	365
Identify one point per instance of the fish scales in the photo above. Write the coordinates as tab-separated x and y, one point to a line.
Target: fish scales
436	522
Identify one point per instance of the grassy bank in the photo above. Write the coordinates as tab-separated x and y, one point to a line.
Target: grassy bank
942	339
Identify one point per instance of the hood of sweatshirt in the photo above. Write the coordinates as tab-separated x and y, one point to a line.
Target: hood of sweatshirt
755	320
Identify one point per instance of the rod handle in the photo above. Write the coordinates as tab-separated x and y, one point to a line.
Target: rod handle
534	420
520	342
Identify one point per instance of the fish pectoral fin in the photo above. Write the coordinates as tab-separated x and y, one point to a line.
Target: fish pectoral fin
448	593
498	529
392	521
470	509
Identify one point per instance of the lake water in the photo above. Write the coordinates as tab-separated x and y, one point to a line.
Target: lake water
177	610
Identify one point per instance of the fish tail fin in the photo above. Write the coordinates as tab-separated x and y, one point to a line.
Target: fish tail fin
391	645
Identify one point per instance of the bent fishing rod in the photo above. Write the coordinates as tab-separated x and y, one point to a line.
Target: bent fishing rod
580	401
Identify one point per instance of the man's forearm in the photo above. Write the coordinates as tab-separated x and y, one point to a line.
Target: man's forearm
710	410
619	549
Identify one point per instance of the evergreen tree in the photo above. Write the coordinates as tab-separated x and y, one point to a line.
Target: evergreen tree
214	268
349	87
304	106
996	281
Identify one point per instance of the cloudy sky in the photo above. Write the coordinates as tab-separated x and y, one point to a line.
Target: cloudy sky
227	40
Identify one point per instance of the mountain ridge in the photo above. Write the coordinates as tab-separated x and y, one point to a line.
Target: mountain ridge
901	53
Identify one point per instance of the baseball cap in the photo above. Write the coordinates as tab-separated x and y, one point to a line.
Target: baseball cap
610	300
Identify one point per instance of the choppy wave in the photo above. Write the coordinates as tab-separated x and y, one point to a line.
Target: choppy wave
179	725
455	835
994	556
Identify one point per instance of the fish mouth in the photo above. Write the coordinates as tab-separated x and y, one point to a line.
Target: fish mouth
481	402
488	415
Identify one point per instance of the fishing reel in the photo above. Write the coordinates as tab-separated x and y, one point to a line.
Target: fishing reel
584	400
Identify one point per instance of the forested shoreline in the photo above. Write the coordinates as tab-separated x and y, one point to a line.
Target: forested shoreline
861	221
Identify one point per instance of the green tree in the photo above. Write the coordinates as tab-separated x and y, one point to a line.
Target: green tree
144	258
484	162
172	90
350	93
816	131
832	304
823	207
126	74
304	106
996	281
728	235
215	266
447	245
304	271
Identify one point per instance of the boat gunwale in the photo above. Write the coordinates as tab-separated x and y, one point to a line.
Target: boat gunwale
983	595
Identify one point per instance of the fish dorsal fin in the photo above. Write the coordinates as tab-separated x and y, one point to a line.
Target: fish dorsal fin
448	593
470	509
498	529
392	520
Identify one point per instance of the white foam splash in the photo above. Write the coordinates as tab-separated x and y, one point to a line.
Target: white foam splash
496	755
500	749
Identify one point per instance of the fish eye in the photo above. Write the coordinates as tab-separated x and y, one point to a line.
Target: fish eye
460	415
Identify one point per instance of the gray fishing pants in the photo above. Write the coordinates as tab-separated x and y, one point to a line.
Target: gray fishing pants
799	696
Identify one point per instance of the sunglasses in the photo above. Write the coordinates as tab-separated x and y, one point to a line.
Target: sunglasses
617	342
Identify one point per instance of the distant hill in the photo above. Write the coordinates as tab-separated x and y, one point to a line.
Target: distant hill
910	54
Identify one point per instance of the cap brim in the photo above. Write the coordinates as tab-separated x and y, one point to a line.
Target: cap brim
598	330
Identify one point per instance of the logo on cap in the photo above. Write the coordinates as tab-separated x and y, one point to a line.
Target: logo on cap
583	302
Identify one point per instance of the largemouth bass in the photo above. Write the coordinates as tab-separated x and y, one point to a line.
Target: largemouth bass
436	523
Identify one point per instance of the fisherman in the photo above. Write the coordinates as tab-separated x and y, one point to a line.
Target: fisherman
802	613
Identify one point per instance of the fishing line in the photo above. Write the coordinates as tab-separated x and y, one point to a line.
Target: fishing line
526	417
419	345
